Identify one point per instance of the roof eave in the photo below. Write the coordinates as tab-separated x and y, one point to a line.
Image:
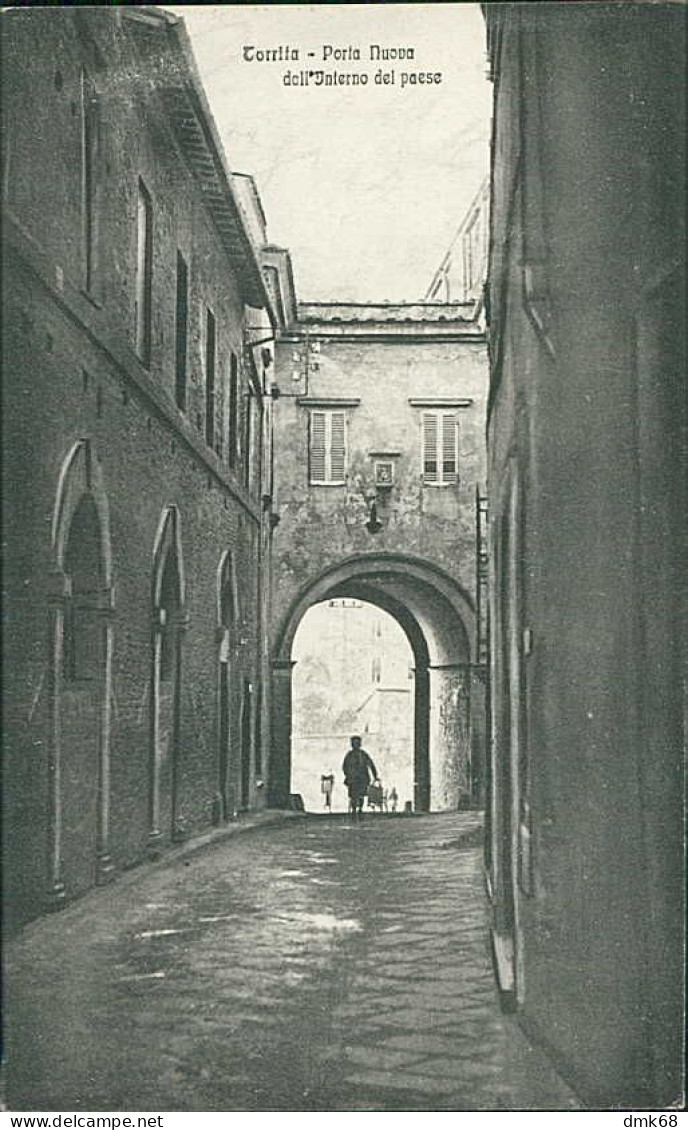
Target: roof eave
194	126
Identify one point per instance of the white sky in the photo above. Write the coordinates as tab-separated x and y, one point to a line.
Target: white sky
366	186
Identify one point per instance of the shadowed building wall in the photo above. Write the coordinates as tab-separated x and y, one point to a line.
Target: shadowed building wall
585	472
133	429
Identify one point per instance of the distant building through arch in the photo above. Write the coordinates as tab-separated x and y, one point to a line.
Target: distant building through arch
437	617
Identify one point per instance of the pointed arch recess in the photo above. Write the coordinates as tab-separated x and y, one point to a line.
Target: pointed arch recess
80	475
167	539
226	577
80	479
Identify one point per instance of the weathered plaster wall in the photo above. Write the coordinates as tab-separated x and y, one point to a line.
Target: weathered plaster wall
385	369
320	525
589	439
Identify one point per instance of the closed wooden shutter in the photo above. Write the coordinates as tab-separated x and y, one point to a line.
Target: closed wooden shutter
430	468
318	448
210	378
440	444
232	427
248	439
337	447
449	445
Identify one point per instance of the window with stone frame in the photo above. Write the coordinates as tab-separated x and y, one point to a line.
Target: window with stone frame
91	178
327	448
144	273
440	436
233	411
210	358
181	332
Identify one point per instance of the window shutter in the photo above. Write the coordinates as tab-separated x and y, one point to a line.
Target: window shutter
233	411
249	440
449	445
430	469
318	447
337	447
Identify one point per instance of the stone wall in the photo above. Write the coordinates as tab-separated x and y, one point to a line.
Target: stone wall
384	367
320	525
72	377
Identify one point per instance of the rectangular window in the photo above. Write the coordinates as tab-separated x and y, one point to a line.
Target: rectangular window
210	378
440	448
249	436
90	142
327	448
220	416
253	437
232	426
144	273
181	330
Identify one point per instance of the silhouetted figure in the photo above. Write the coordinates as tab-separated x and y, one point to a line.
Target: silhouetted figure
359	770
393	799
326	787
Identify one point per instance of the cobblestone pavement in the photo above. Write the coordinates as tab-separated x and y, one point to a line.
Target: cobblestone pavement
313	966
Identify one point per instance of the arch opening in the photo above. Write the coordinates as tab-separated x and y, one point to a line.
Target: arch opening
354	674
436	616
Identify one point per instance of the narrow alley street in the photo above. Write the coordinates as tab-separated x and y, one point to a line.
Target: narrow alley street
305	966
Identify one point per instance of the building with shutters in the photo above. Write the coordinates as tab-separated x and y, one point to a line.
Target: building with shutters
135	454
378	451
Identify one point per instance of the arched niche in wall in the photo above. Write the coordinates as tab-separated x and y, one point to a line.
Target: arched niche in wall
81	600
226	728
168	620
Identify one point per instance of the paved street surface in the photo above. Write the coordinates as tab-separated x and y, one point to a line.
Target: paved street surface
310	966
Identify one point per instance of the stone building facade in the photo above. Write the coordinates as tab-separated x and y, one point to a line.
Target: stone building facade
136	425
379	448
587	517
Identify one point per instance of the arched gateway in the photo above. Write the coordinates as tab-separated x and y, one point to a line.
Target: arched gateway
437	616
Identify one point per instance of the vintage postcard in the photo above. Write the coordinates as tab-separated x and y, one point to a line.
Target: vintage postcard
343	369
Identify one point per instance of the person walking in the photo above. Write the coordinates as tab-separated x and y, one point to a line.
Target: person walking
359	770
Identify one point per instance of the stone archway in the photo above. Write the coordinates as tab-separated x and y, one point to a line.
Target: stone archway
437	616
